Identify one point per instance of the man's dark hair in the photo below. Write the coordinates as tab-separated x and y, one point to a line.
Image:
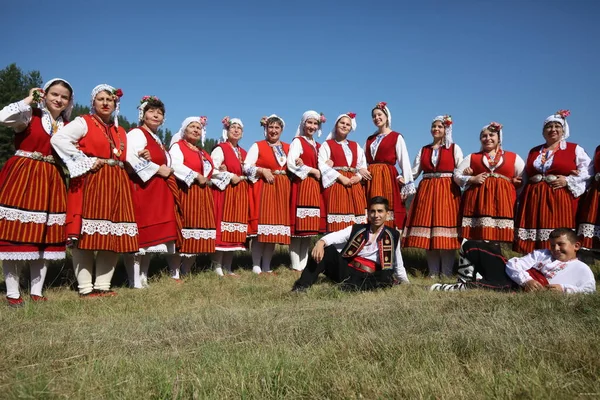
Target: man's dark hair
569	233
380	200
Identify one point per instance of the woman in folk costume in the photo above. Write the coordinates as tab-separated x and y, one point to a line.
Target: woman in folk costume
154	191
100	214
230	192
307	209
434	213
556	173
266	165
342	164
588	218
490	179
194	170
33	196
383	150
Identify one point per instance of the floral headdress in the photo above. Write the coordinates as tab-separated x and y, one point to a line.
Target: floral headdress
446	120
227	122
264	122
350	115
117	94
319	117
143	103
494	127
561	117
186	122
382	105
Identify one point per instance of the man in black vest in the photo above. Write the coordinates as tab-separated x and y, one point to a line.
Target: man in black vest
359	257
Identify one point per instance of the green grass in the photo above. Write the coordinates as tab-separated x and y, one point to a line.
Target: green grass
251	338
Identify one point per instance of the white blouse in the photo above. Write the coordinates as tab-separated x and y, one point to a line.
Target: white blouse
328	174
294	153
403	161
136	142
462	180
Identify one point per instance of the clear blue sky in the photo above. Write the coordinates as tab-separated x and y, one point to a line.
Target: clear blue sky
511	61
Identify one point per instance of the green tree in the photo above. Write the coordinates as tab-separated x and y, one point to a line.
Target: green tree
14	86
209	144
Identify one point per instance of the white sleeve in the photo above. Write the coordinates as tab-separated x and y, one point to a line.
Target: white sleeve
338	237
399	269
16	116
516	268
361	159
577	183
586	283
404	163
294	153
250	168
219	178
416	168
458	155
461	179
328	175
136	142
64	142
180	170
519	166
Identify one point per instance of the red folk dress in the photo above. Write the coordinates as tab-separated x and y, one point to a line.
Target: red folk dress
433	219
32	197
345	206
269	202
231	203
588	217
488	210
307	208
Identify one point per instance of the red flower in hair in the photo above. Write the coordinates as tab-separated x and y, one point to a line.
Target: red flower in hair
226	122
563	113
447	120
381	105
203	120
496	125
351	115
263	121
322	118
118	93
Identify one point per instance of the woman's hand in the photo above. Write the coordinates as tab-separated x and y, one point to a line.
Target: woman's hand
354	180
365	174
329	163
235	179
299	162
97	165
468	171
267	175
164	171
145	154
478	179
560	182
400	180
316	173
517	181
201	179
344	180
31	97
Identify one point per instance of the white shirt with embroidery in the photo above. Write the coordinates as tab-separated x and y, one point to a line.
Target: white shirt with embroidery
402	160
462	180
328	174
136	142
65	143
574	276
250	168
182	171
295	152
435	155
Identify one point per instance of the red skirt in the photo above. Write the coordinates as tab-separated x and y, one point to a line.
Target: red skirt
384	184
270	210
199	230
588	217
231	216
345	205
307	209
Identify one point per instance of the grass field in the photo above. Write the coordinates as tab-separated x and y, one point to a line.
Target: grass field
249	337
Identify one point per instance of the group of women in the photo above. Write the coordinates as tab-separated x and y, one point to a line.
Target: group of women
128	193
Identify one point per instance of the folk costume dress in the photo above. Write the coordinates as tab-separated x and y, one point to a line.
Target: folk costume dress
345	206
433	219
543	208
589	209
488	210
383	151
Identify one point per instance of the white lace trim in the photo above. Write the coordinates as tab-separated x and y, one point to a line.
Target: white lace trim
433	232
199	234
488	222
274	230
32	255
408	189
575	186
13	214
233	227
534	234
308	212
104	227
78	164
189	178
589	230
333	218
221	180
360	219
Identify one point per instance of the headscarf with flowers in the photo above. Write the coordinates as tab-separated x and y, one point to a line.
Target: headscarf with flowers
265	125
382	105
49	125
320	117
350	115
143	103
227	122
446	120
496	127
186	122
117	94
561	117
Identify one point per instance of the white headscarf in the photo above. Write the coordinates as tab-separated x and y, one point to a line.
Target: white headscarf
500	134
66	113
104	87
266	125
382	105
446	120
350	115
227	122
561	117
186	122
305	117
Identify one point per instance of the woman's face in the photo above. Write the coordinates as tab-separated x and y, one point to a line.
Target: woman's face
192	133
489	140
553	132
379	118
153	118
438	130
104	104
343	127
274	132
311	125
235	132
57	98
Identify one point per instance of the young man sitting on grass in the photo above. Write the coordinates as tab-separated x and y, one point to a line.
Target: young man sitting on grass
359	257
557	269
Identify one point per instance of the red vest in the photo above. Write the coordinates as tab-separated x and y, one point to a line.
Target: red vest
95	142
337	153
386	152
194	159
157	151
445	159
266	157
507	168
563	163
232	162
309	153
34	137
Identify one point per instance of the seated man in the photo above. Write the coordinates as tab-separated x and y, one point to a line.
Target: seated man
557	269
360	257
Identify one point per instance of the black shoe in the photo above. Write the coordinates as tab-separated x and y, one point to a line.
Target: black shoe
299	289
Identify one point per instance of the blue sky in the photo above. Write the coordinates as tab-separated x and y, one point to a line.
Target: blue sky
515	62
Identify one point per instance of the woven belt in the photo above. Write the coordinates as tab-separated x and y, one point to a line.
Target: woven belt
345	169
547	178
35	155
279	172
431	175
495	175
111	162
